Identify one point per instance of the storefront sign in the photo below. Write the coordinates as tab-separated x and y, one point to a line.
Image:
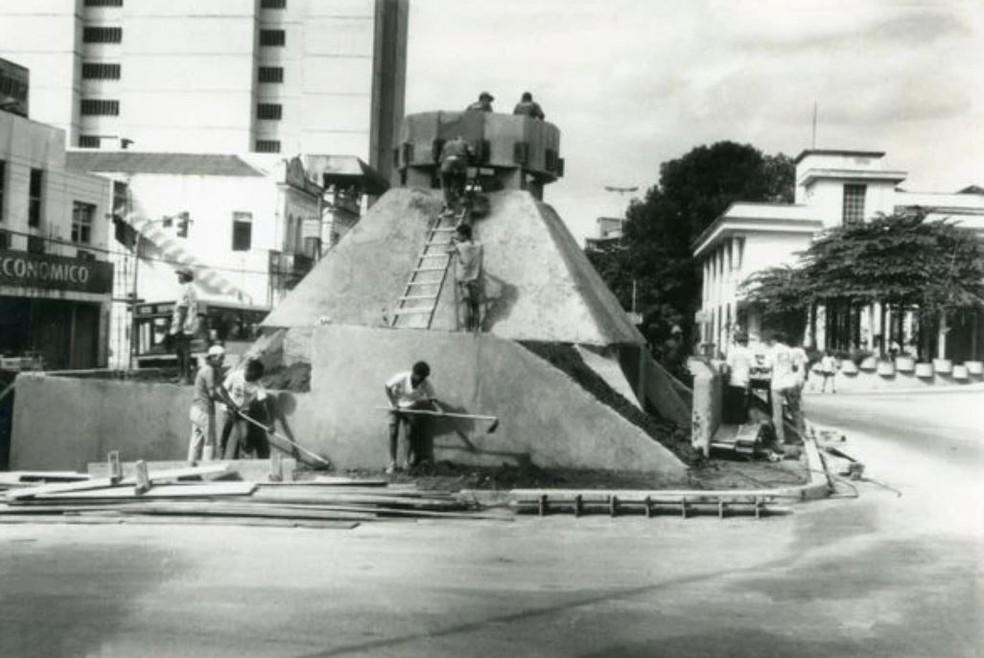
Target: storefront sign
24	270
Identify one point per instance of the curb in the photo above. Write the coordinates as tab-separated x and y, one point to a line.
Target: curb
818	486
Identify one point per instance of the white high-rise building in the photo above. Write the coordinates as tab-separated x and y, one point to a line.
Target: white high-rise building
215	76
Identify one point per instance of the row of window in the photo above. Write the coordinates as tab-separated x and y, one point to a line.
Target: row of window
100	71
82	213
113	34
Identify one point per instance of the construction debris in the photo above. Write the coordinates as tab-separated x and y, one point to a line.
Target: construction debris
167	493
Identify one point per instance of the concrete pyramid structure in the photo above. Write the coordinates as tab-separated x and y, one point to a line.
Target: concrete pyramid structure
538	283
539	289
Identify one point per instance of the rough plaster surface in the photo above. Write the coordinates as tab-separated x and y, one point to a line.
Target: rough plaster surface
608	368
545	417
538	283
64	423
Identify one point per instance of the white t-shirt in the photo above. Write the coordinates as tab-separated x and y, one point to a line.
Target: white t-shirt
406	395
828	364
781	359
242	392
739	362
469	260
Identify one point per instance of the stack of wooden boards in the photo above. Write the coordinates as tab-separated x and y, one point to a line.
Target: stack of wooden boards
195	495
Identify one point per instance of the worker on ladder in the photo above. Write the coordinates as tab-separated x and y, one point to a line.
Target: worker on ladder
455	155
467	254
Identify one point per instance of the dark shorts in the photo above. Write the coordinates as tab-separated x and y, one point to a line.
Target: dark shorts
471	291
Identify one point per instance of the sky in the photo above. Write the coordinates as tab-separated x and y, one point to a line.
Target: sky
633	83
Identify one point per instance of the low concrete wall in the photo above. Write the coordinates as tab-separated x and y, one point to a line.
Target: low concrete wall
706	416
868	380
63	423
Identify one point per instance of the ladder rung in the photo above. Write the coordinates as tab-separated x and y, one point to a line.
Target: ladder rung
439	255
413	297
430	269
444	230
424	283
412	311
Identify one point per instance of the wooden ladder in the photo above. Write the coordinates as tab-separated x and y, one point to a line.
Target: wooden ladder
415	307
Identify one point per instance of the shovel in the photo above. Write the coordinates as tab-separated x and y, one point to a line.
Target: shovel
265	428
426	412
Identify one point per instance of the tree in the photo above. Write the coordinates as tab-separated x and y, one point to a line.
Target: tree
782	296
656	250
900	261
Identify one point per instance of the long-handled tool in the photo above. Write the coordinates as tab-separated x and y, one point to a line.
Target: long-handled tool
427	412
284	438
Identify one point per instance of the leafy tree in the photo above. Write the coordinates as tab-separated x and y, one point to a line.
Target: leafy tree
656	250
898	260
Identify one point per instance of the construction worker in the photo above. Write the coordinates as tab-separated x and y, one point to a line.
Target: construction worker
201	445
483	104
454	172
240	391
409	391
184	323
738	365
468	274
529	107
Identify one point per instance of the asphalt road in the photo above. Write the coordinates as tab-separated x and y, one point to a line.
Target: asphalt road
877	575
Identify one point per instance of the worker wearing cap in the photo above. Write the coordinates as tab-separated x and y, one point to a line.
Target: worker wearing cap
201	445
184	323
409	391
528	107
483	104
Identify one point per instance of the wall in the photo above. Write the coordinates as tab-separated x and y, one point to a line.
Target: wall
544	416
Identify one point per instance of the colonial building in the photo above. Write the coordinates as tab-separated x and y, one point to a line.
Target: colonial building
56	277
833	188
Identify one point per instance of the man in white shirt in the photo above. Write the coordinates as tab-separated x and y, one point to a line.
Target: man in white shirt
738	364
788	376
409	391
184	323
239	391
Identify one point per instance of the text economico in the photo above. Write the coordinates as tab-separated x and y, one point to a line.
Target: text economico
21	268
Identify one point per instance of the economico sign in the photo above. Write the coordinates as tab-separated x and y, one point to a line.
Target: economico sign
25	270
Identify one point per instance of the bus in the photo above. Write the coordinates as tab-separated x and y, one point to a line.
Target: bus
235	326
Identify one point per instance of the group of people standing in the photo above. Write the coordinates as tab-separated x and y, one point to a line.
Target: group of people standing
777	369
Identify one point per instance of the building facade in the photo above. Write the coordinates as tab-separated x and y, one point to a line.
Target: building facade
222	76
56	277
833	188
241	226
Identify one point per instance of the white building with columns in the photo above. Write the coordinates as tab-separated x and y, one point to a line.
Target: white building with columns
833	188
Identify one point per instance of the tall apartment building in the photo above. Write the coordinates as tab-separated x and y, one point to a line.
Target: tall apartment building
215	76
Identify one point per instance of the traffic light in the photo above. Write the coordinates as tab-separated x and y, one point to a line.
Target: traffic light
183	220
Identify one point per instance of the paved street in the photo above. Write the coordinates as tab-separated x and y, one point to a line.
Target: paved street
877	575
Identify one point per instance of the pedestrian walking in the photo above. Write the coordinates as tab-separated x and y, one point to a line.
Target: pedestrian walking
828	371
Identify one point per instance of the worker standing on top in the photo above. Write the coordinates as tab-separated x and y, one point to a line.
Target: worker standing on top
483	104
529	107
184	323
202	442
454	172
409	391
468	274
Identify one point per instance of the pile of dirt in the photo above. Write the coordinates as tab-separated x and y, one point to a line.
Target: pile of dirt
565	357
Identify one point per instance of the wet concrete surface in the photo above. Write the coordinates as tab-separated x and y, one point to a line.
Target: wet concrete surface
876	575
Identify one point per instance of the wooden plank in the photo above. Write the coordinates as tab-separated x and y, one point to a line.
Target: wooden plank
102	483
639	494
26	477
163	491
180	520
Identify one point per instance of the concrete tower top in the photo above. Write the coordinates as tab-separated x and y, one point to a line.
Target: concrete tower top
518	152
